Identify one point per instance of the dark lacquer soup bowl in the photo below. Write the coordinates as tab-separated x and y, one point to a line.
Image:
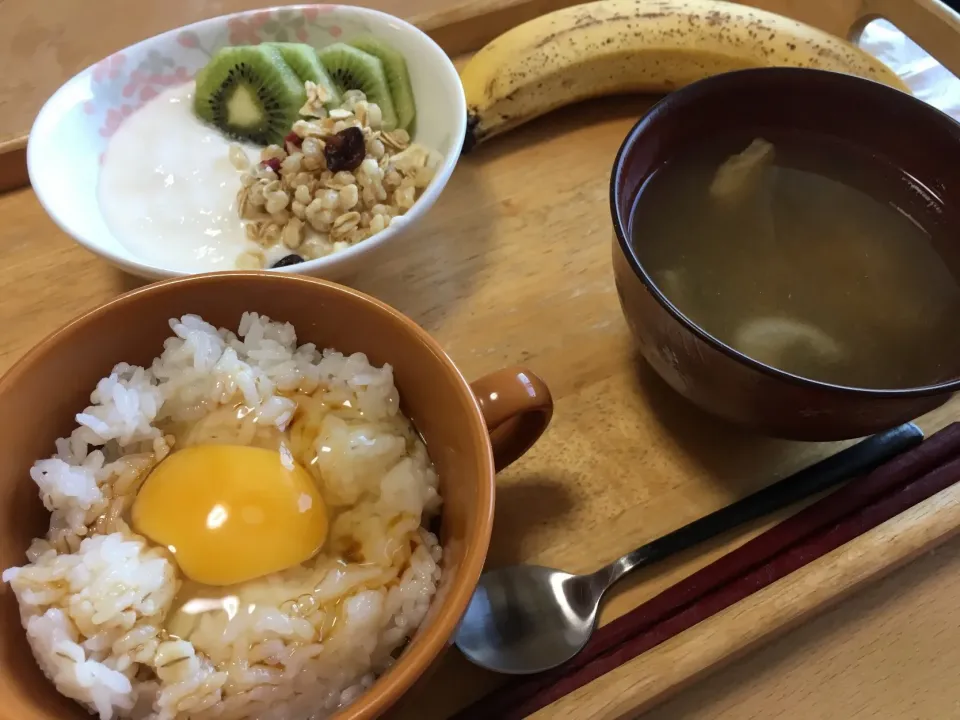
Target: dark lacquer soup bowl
918	139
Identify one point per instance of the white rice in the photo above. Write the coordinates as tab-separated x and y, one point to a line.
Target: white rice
100	604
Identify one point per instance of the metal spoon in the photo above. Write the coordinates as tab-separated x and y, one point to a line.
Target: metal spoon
525	618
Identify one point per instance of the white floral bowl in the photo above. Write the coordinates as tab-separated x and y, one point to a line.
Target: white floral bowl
70	135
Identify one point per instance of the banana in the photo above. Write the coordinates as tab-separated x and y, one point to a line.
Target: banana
618	46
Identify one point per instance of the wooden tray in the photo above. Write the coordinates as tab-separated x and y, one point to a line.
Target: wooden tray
514	266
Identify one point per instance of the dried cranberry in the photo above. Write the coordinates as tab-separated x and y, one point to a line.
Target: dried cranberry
292	138
288	260
273	164
345	150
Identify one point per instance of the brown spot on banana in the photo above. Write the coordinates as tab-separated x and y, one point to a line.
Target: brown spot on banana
552	37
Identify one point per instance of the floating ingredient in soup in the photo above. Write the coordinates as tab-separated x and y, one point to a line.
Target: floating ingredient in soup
776	341
743	175
805	253
230	513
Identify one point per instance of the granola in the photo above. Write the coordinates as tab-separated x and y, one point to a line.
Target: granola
338	180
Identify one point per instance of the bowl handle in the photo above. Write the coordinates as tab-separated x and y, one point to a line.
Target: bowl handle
931	24
517	408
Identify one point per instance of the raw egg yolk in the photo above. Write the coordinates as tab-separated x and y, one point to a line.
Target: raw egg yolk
231	513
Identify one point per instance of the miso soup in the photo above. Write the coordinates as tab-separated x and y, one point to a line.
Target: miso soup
807	254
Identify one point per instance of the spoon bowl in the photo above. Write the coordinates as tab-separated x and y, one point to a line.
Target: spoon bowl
527	618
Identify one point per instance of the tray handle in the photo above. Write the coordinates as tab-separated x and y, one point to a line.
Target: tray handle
931	24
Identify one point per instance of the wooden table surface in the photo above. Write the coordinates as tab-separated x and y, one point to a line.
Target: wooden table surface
889	652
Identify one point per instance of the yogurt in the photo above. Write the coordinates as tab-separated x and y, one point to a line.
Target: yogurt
168	190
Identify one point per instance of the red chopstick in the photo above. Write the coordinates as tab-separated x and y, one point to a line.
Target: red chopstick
818	529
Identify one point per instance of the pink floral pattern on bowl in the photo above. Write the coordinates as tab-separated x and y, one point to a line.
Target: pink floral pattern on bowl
123	82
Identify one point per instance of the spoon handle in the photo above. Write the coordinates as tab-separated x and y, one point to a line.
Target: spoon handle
853	461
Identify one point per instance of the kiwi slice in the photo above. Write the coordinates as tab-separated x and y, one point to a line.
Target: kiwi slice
303	60
398	79
249	93
353	69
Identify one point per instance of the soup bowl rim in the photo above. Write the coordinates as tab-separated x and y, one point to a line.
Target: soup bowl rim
758	79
